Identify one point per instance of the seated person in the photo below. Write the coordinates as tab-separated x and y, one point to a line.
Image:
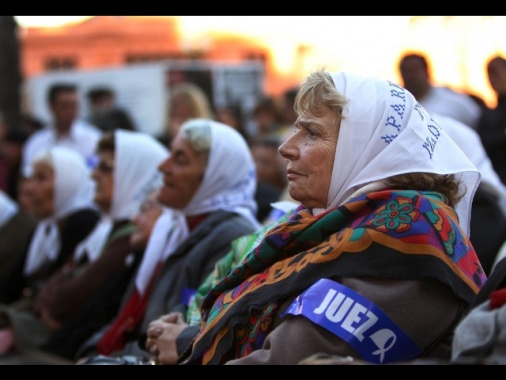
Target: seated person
169	336
100	309
376	264
61	198
126	171
209	180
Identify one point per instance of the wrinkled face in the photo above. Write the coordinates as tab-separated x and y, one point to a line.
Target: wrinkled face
39	190
310	151
144	221
103	175
183	172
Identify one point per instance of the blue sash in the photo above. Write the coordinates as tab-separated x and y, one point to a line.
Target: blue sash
356	320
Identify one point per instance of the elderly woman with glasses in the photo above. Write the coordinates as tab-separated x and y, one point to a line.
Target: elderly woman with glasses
209	180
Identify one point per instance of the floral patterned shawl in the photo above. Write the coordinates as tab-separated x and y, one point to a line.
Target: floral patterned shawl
384	234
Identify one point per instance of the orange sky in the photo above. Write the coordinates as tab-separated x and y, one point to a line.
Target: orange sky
458	46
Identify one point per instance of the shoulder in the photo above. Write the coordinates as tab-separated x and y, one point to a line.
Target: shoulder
38	136
82	126
230	223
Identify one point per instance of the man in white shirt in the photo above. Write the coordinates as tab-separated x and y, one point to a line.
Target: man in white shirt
415	74
66	128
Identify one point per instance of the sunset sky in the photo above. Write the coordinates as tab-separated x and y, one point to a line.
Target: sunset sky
458	46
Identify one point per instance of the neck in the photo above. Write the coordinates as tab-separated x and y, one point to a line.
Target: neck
62	129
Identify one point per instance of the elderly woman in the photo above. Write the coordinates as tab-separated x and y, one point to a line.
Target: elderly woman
102	307
61	197
126	171
376	264
210	181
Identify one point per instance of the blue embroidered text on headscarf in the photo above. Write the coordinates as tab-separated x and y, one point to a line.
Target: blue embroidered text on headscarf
433	129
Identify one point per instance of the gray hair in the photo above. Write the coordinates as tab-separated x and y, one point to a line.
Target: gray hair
318	89
198	133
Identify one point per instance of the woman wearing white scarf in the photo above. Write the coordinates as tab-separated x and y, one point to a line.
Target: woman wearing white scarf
60	191
228	190
136	158
73	191
376	264
209	185
127	177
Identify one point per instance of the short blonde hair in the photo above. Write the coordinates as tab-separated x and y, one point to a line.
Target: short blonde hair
318	89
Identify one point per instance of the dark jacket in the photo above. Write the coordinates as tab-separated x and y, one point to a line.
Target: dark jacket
74	284
492	130
488	227
186	268
15	236
73	229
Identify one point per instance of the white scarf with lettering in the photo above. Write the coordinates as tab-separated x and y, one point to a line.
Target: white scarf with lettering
387	132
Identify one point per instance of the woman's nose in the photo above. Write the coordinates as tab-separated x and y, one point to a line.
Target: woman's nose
287	149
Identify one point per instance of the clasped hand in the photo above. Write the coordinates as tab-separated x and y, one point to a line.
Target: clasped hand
161	337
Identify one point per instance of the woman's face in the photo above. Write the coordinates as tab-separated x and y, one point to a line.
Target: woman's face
310	151
144	221
183	173
40	190
103	175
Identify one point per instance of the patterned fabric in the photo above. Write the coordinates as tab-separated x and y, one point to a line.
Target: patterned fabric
240	248
399	234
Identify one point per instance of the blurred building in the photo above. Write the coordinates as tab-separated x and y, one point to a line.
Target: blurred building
114	41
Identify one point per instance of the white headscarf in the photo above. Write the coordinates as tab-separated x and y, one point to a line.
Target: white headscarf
386	132
470	142
229	184
163	240
8	208
230	176
73	190
136	159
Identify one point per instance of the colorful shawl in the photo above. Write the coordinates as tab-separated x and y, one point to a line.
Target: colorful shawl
384	234
240	248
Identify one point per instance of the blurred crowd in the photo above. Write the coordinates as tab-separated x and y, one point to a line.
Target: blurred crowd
112	238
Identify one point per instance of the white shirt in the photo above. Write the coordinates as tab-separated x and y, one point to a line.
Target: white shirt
83	137
444	101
